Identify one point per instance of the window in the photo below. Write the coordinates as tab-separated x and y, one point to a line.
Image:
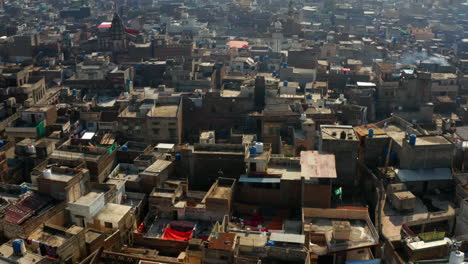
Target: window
155	123
172	133
108	225
172	124
156	130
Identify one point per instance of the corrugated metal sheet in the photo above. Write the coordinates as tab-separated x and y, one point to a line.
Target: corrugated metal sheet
26	207
317	165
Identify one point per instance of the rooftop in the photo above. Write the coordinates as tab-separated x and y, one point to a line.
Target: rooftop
431	141
88	199
334	132
317	165
320	221
113	212
222	241
6	251
164	111
158	166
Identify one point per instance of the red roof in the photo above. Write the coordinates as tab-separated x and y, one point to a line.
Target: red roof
105	25
132	31
237	44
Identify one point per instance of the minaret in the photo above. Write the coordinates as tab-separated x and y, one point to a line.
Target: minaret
277	37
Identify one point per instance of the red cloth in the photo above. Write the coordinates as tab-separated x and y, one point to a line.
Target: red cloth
171	234
141	227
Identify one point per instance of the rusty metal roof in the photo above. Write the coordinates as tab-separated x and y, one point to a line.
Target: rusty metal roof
26	207
317	165
223	241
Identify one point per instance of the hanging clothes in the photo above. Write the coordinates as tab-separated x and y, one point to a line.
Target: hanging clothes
42	248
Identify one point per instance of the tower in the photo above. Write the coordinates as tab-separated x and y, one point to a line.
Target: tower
117	34
277	37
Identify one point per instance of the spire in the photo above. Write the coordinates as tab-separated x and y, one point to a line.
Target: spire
117	28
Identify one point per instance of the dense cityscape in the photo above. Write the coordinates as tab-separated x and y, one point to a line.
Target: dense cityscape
234	131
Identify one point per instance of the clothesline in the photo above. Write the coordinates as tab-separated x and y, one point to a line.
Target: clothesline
44	249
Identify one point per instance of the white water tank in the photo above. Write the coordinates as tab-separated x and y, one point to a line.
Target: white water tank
47	173
31	149
303	116
259	147
456	257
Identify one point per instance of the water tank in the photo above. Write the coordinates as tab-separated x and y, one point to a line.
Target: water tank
456	257
178	156
285	83
309	97
24	189
303	117
30	149
273	74
343	135
457	100
125	148
126	95
19	249
285	65
266	57
371	133
74	92
253	152
259	147
47	173
2	143
412	139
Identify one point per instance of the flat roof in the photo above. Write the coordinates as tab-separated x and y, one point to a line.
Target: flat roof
164	111
287	238
165	146
334	132
113	212
366	84
158	166
88	135
431	140
88	199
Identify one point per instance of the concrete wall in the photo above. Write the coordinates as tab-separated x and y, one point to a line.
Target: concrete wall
346	153
86	211
425	156
317	195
